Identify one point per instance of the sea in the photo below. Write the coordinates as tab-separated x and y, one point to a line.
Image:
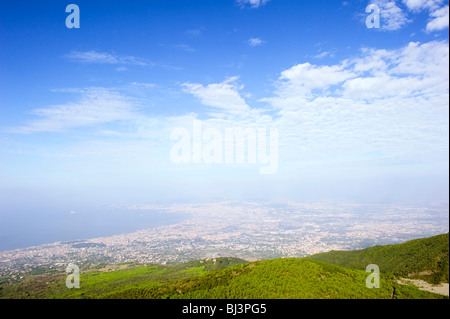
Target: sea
36	226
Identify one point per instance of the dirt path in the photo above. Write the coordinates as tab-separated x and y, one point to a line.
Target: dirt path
442	289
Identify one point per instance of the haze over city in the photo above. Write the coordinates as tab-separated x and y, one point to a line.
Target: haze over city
104	117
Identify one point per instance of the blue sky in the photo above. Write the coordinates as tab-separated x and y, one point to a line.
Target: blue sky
87	114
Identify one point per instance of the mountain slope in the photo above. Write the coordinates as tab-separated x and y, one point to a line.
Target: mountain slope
233	278
426	258
113	278
290	278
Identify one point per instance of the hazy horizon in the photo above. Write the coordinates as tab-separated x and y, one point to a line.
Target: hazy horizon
87	223
192	101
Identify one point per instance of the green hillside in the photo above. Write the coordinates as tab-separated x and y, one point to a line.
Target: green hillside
426	259
97	282
277	279
233	278
269	279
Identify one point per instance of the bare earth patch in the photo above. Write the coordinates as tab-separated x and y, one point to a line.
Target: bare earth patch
442	289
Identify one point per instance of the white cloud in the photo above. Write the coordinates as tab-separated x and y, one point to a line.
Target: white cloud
430	60
255	42
223	96
383	86
417	69
389	101
440	20
309	77
418	5
323	54
392	16
438	15
372	60
251	3
96	106
145	85
103	58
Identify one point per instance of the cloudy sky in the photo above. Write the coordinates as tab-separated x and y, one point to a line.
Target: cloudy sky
87	114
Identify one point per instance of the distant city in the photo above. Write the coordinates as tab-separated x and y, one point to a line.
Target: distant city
248	230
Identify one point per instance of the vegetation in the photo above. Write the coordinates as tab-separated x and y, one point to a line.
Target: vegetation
97	282
426	259
270	279
333	275
277	279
